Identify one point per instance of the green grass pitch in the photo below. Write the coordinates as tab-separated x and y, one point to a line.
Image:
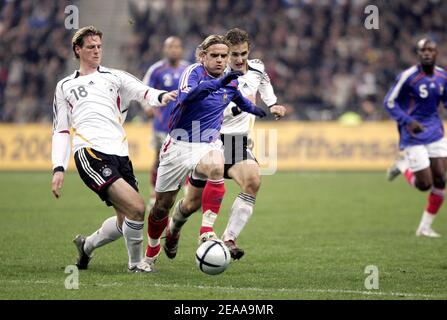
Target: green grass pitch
311	237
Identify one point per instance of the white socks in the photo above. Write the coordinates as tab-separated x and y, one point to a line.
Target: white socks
241	211
133	235
427	220
109	231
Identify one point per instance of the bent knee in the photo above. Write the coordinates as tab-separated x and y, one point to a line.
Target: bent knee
423	185
439	182
161	208
252	185
136	212
216	172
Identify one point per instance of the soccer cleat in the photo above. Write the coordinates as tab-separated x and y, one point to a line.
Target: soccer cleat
235	252
147	264
427	232
210	235
171	242
144	266
83	258
392	173
399	166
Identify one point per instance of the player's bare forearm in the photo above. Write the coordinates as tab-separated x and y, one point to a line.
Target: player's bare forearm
56	183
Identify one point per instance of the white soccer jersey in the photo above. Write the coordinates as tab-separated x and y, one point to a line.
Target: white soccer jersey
95	106
256	79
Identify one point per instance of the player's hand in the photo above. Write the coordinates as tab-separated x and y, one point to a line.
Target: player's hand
56	184
278	111
169	96
230	77
414	127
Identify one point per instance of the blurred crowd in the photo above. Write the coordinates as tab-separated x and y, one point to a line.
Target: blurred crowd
32	58
322	60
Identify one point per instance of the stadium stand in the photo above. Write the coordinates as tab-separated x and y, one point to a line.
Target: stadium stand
322	60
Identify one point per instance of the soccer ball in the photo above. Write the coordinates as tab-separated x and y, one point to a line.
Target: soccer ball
213	257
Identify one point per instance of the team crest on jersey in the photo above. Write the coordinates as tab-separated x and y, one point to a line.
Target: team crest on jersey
225	97
106	172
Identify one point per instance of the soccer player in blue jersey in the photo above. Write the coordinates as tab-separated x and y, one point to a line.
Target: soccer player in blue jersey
193	147
413	103
163	75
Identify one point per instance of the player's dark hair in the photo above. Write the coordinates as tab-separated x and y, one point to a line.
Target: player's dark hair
78	38
211	40
237	36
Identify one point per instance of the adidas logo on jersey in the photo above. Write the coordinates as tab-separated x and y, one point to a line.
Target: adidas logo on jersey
91	83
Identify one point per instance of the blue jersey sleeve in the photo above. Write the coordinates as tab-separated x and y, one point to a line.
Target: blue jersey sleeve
243	103
394	98
192	89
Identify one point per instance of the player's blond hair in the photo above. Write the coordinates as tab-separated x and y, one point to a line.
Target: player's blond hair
78	37
208	42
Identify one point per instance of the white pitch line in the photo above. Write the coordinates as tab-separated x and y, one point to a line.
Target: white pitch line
298	290
268	290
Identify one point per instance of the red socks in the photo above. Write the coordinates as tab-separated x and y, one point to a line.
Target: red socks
212	197
435	200
154	230
409	176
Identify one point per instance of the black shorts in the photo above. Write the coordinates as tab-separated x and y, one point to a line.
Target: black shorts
236	149
99	170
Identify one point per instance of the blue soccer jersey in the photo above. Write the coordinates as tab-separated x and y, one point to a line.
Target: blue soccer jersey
161	75
416	96
198	113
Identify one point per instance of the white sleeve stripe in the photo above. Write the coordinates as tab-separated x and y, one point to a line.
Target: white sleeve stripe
405	75
185	77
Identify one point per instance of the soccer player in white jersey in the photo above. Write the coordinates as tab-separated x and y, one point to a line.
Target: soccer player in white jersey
90	101
240	163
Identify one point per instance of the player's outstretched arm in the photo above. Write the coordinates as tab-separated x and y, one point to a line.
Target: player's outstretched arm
169	97
198	91
246	105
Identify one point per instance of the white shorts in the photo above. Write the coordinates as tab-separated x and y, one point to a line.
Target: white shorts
419	156
178	159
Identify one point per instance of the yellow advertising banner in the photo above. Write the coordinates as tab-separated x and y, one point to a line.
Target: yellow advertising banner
28	147
329	145
279	145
